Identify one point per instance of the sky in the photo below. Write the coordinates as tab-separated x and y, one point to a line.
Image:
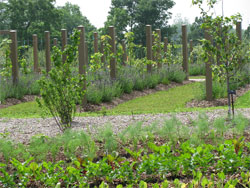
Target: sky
97	10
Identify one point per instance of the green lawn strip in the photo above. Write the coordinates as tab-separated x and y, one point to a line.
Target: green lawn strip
171	100
243	101
23	110
29	110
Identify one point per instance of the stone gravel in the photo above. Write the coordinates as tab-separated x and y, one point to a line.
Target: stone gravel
21	130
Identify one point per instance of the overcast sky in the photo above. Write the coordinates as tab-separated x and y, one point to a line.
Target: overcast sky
97	10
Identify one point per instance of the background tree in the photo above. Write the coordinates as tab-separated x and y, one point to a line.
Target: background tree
226	46
33	16
247	33
196	33
134	15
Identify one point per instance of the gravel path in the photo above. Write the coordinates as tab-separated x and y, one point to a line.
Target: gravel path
21	130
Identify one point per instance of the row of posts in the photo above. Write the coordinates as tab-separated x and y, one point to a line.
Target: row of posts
83	52
149	39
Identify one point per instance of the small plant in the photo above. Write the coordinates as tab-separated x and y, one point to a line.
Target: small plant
61	90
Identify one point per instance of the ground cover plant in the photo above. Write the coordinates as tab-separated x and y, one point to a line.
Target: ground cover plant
202	153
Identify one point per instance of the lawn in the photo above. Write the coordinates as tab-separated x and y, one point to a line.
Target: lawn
161	102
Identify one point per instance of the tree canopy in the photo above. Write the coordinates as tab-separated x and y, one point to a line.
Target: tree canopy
36	16
134	15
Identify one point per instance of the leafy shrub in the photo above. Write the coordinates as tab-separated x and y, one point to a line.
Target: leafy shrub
61	90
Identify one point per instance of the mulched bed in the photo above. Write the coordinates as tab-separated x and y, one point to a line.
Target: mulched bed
12	101
217	102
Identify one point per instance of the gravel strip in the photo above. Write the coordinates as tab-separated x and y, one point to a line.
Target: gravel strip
21	130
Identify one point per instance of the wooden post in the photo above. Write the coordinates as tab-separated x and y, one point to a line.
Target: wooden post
47	51
153	54
113	49
102	51
191	50
14	57
55	42
165	48
64	43
82	60
159	65
185	50
86	53
35	53
239	34
209	88
124	53
165	44
239	30
95	42
149	46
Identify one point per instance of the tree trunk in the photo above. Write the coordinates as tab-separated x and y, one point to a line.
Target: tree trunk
228	95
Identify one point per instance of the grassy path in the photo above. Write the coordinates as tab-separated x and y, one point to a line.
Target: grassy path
164	101
172	100
161	102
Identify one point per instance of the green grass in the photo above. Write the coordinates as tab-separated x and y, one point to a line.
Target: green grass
160	102
243	101
23	110
173	100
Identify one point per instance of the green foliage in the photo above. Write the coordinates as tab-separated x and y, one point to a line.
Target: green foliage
62	90
24	64
201	164
230	52
5	62
132	16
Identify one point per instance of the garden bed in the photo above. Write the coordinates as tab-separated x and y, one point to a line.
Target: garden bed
217	102
188	150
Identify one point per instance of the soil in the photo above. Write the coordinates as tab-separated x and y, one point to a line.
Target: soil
12	101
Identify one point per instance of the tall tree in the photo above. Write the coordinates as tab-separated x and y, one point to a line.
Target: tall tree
196	32
32	16
134	15
71	17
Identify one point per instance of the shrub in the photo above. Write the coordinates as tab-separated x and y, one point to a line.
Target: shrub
61	89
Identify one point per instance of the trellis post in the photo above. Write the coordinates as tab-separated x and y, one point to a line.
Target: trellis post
14	57
191	50
149	46
47	51
95	42
159	65
239	34
185	50
209	82
82	60
35	53
113	49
